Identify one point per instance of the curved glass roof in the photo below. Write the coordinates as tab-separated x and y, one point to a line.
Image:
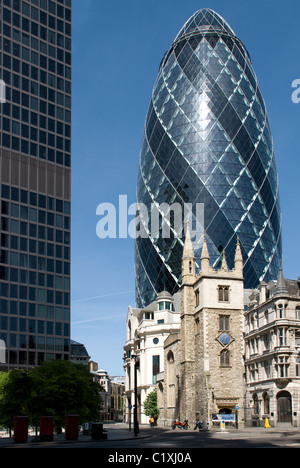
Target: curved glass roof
208	141
205	19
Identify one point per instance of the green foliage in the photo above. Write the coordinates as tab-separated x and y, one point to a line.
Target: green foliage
150	405
55	388
14	394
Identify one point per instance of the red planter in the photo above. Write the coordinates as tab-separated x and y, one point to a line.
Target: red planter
20	428
71	426
46	428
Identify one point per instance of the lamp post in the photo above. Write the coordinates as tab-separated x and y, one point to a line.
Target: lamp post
178	396
236	416
135	418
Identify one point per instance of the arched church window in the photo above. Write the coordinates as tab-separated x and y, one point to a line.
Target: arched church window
224	358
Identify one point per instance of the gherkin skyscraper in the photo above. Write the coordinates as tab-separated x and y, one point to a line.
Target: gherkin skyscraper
207	141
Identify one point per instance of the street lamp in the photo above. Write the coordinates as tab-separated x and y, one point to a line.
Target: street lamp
178	396
135	418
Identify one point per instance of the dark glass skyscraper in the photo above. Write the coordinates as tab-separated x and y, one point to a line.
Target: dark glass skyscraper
35	171
207	140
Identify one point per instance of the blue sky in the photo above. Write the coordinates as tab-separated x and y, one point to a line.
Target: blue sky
117	49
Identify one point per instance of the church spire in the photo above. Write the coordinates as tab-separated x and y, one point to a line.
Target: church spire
204	252
204	256
188	258
188	250
238	258
224	262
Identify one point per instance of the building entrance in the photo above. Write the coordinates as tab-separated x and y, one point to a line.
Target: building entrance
225	411
284	407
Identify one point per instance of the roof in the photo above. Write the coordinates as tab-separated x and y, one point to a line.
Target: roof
78	349
204	19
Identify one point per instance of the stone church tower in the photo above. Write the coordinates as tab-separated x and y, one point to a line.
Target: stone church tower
187	331
211	370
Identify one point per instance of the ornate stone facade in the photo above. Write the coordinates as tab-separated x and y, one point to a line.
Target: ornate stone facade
147	331
209	346
222	348
272	353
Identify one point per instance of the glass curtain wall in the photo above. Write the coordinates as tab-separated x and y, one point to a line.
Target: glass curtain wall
207	140
35	165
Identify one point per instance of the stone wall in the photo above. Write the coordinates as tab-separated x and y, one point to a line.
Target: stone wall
168	394
224	385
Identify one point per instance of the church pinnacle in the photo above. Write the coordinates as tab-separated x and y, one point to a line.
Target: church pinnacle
188	250
188	258
204	256
238	258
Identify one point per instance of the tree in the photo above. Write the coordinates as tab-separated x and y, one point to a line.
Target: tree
150	405
62	387
56	388
15	388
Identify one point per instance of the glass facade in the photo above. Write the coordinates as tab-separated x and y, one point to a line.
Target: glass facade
207	140
35	171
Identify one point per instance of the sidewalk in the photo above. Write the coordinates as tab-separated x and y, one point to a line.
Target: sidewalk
114	431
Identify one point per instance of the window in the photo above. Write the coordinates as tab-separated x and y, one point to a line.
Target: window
267	371
280	311
223	293
266	402
224	322
255	404
149	315
155	367
282	366
224	358
197	297
297	367
267	341
170	380
281	337
165	305
297	312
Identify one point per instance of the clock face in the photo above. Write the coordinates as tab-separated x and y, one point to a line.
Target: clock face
224	338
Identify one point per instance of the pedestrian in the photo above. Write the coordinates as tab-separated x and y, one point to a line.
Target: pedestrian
197	424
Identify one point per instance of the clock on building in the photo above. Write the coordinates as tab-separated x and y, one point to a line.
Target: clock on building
224	338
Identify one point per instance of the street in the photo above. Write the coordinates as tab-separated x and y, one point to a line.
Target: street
161	438
168	441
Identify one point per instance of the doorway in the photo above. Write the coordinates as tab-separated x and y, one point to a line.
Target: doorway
284	407
225	411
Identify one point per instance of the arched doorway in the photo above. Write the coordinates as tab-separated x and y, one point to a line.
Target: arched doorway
284	407
225	411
